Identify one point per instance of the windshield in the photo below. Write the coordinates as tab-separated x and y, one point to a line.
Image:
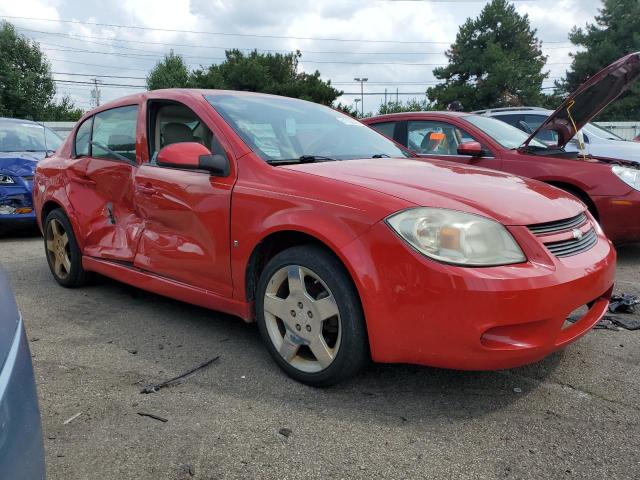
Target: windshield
16	136
503	133
280	129
594	130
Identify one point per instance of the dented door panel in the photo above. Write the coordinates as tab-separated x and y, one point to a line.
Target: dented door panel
186	231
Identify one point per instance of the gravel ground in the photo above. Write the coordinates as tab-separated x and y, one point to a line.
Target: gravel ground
574	415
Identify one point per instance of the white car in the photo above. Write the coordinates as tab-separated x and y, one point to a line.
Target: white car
597	141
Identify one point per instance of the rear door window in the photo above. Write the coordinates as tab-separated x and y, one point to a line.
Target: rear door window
388	129
83	136
114	133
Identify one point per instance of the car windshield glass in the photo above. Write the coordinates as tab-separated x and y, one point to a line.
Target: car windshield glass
594	130
503	133
16	136
280	129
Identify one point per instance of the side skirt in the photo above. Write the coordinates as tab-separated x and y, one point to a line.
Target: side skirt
166	287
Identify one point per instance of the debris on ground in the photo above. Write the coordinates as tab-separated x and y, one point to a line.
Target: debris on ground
133	352
71	419
624	322
175	380
623	303
285	432
603	324
155	417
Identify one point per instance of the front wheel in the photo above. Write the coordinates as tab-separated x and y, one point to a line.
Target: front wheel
310	317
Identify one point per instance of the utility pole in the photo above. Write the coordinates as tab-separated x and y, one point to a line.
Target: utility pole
385	98
95	93
356	100
361	80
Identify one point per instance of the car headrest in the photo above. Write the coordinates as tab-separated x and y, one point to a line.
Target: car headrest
176	133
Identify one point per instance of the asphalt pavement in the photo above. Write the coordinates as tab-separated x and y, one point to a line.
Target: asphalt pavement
574	415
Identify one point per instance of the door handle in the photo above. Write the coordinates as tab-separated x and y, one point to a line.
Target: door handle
146	189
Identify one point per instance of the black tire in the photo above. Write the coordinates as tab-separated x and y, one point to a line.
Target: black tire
353	352
76	275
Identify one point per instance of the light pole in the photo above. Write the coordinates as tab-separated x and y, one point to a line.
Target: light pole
361	80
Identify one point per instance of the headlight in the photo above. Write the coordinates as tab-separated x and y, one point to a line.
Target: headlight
630	176
6	180
456	237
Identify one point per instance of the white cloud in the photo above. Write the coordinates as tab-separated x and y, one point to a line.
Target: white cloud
380	20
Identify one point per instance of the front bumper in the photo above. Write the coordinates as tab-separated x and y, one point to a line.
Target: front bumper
620	216
424	312
16	204
21	445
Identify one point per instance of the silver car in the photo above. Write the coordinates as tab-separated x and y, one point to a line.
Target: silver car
597	141
21	448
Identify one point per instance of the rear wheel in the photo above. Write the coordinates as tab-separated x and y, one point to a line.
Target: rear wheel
63	254
310	317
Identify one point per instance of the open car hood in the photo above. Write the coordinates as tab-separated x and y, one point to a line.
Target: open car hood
590	99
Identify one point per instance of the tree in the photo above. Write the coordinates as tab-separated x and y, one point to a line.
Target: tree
172	72
615	33
496	61
268	73
27	89
411	105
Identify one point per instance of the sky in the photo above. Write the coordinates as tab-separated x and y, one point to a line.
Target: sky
394	43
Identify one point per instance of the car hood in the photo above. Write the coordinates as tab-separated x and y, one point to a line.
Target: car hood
19	164
506	198
611	149
591	98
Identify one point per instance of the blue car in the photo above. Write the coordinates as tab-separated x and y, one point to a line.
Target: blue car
21	445
22	145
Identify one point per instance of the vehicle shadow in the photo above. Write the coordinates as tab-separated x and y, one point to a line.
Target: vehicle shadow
19	231
383	393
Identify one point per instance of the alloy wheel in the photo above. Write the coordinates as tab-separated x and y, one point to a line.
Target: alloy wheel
58	246
302	318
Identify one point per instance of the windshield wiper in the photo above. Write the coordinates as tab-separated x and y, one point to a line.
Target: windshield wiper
302	159
380	155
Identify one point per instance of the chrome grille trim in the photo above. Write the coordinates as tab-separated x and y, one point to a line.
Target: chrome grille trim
567	248
558	225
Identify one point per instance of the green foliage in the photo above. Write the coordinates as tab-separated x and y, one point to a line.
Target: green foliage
64	111
496	61
615	33
348	109
27	88
273	73
411	105
171	72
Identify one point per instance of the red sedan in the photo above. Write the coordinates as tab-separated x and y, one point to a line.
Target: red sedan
294	215
609	187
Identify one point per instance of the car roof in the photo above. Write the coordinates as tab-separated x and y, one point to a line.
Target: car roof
511	110
401	115
17	120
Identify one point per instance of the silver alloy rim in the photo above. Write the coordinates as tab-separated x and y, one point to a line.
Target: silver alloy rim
302	318
58	249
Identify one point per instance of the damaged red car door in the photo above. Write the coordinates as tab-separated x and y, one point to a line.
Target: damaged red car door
185	209
100	186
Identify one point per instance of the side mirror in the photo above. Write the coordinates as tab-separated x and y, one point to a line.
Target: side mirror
193	156
473	149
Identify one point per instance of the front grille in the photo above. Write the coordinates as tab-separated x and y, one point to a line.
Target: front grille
558	225
566	248
570	245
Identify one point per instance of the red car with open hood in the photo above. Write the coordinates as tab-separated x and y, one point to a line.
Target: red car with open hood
323	231
610	187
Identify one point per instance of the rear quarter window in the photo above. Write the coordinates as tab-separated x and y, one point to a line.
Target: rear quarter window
83	136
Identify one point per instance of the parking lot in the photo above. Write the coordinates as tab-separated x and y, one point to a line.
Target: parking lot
574	415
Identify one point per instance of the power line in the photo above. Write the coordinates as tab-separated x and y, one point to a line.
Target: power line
253	35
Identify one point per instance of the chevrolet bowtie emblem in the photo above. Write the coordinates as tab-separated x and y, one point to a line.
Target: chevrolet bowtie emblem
577	234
